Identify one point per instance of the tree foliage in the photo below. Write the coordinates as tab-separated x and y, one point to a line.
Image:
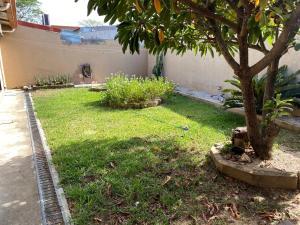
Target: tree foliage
190	25
29	11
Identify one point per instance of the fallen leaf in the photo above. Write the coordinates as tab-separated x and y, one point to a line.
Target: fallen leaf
168	178
97	219
232	208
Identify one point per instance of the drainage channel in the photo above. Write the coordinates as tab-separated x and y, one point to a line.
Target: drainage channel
50	205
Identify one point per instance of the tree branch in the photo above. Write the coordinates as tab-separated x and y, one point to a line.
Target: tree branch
196	8
224	49
233	5
262	44
289	31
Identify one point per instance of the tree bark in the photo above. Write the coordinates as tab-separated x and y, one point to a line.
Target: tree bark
270	83
268	133
251	116
269	130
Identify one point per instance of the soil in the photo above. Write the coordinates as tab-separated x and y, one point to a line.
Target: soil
283	159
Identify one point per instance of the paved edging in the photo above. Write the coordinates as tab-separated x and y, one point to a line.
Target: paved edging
62	202
19	194
262	177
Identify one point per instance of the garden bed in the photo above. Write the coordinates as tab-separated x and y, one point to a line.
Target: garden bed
282	171
58	86
151	166
130	92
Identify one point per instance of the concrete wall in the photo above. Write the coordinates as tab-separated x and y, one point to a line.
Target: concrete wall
207	73
30	52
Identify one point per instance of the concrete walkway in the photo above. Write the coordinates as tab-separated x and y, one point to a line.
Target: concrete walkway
19	199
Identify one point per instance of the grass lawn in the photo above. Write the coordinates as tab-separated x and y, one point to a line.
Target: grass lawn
150	166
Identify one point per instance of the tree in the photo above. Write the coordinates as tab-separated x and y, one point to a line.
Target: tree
226	27
29	11
90	23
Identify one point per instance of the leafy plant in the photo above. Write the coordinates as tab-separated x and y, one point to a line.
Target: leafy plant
278	107
158	67
59	79
297	102
286	84
123	91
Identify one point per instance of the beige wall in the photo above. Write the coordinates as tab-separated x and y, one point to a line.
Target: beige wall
207	73
30	52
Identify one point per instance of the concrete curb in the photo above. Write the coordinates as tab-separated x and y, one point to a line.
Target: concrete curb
59	191
262	177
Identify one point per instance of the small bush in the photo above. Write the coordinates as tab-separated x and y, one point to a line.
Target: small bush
135	92
52	80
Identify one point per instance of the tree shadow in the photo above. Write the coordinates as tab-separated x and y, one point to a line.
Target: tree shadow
203	113
152	180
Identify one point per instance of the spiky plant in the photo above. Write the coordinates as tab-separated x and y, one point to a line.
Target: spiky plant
286	84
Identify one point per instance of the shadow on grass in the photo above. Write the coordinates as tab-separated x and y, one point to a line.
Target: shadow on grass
204	114
154	181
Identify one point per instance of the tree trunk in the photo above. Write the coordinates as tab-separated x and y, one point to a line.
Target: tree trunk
270	83
251	116
269	129
261	136
268	133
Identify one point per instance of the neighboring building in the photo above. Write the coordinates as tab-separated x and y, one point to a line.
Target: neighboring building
8	23
88	34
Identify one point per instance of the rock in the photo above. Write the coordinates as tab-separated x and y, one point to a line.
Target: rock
237	150
240	137
185	128
219	146
258	199
227	156
245	158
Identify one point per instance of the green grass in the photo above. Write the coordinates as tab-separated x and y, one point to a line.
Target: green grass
147	166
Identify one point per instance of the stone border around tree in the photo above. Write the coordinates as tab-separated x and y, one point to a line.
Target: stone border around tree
262	177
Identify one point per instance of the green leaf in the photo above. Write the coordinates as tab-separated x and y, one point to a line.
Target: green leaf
297	47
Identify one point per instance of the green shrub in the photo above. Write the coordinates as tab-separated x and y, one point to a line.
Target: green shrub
286	85
52	80
159	65
135	92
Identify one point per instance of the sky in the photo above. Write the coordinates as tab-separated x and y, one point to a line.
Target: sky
67	12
